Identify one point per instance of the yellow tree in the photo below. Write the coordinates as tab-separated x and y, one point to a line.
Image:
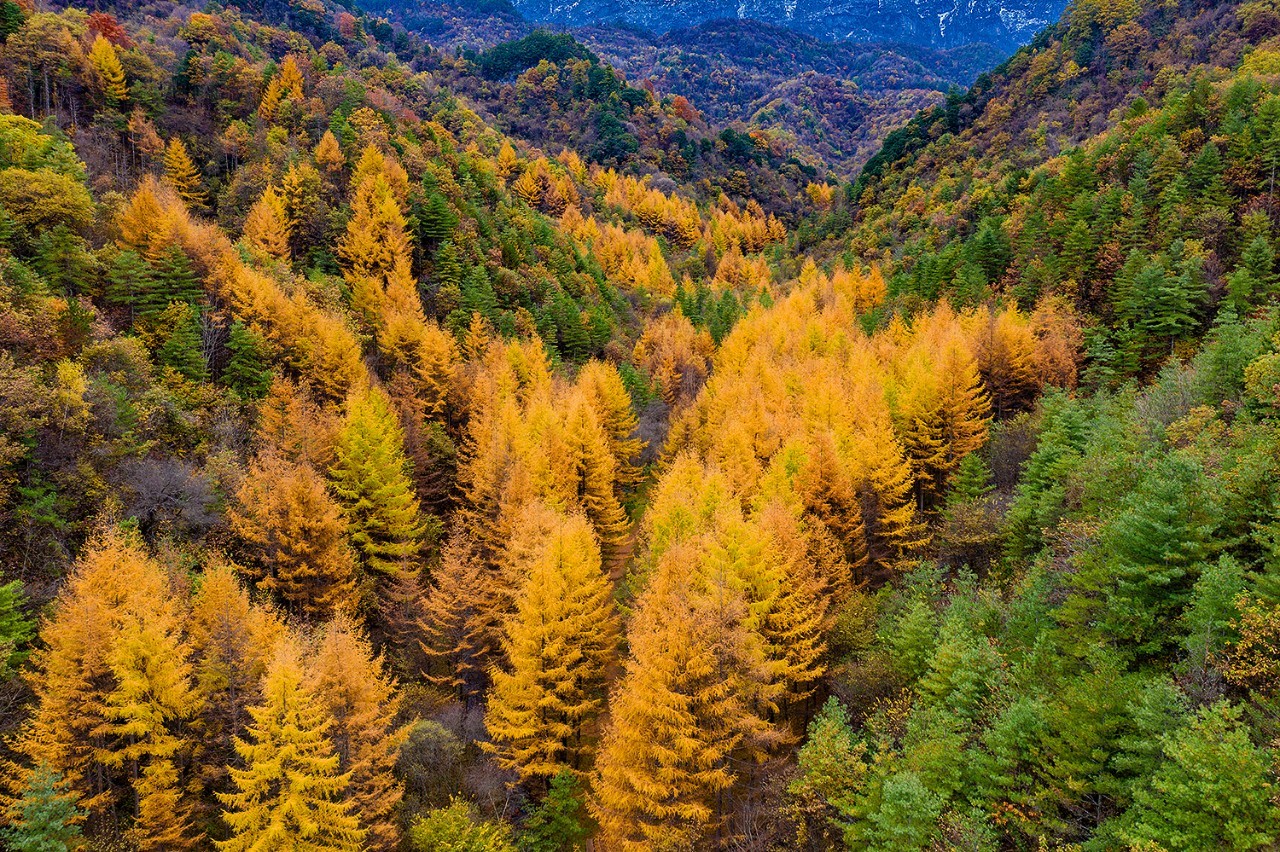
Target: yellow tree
1004	347
297	538
375	246
603	388
593	477
180	172
290	793
349	682
109	71
674	721
559	642
461	621
266	228
328	154
232	641
153	698
112	688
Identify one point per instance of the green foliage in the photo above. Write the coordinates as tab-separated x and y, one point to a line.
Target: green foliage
246	371
44	818
512	57
457	828
182	348
560	822
1213	790
16	628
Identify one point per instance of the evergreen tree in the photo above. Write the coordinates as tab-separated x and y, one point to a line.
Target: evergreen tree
131	283
182	348
560	822
44	817
246	371
1212	792
176	280
289	795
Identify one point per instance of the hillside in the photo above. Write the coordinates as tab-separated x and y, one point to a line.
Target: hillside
417	449
1001	25
834	101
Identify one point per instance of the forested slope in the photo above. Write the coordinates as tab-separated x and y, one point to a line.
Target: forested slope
415	450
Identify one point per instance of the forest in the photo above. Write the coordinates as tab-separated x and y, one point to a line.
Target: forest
407	447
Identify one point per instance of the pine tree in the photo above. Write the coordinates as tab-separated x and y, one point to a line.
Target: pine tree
371	477
289	795
246	372
182	348
559	643
130	283
106	65
296	536
181	174
44	817
349	683
176	281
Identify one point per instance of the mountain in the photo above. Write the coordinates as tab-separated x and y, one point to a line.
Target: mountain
834	101
412	445
1004	25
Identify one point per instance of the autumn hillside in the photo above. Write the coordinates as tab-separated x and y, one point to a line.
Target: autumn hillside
406	448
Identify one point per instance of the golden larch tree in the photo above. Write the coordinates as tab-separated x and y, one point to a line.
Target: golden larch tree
180	172
674	722
350	683
290	793
559	642
296	537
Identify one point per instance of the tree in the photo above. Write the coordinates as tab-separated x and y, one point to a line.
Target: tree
458	828
295	533
182	349
232	641
246	371
111	660
181	174
461	621
1213	791
131	283
349	683
832	770
675	719
289	795
371	477
560	822
266	228
110	73
44	818
559	644
154	695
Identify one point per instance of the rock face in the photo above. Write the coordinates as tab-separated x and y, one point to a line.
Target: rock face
1004	24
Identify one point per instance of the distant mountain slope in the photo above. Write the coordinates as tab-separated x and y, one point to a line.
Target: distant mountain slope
834	100
1004	24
